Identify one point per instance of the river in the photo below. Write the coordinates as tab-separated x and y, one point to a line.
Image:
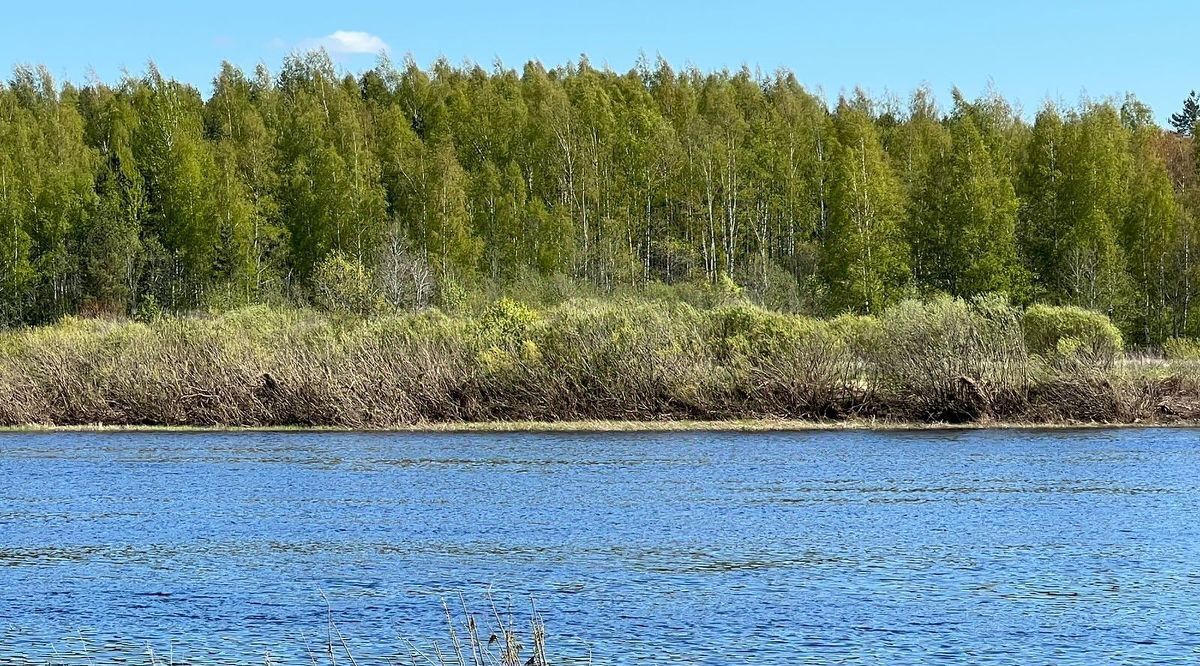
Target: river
851	547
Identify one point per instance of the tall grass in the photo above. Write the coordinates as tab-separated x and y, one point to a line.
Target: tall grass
619	359
491	637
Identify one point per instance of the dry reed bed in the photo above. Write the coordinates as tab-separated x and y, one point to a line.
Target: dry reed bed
941	361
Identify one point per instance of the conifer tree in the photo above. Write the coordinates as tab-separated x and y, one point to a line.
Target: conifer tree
1184	121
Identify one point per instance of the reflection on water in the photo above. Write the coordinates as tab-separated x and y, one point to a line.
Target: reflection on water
809	548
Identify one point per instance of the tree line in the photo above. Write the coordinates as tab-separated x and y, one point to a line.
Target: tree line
144	193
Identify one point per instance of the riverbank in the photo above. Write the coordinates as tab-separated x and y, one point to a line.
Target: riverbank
600	427
593	365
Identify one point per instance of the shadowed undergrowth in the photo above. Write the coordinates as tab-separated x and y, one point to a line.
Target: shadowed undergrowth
640	360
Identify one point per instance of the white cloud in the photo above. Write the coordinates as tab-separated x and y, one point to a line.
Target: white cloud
348	42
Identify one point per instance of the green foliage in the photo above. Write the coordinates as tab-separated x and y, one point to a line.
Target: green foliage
629	359
1048	330
508	324
750	330
1148	232
342	285
148	309
1043	224
860	333
452	186
1184	122
865	259
1182	349
972	215
452	294
774	288
950	359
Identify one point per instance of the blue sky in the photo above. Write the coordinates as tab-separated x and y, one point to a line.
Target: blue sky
1030	50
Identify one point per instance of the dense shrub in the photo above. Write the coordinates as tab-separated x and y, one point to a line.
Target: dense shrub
950	360
507	324
623	358
1182	349
859	333
341	284
750	330
772	286
1071	332
784	365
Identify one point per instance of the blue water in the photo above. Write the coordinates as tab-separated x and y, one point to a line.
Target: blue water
984	547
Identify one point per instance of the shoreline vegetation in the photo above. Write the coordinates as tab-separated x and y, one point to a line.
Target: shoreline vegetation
434	248
596	364
491	637
605	427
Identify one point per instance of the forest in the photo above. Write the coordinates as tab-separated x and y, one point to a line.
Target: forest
403	186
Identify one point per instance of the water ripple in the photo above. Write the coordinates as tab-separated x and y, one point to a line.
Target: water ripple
970	547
